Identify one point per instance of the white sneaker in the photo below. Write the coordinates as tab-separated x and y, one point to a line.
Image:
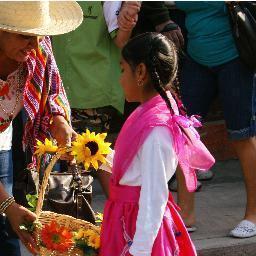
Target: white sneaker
244	229
204	175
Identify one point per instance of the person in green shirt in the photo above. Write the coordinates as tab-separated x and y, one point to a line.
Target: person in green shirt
88	60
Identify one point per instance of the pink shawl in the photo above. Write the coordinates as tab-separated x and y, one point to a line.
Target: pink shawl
191	152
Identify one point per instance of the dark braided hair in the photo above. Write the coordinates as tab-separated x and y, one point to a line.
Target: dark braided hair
159	55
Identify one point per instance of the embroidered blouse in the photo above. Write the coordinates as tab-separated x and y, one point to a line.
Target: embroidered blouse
11	102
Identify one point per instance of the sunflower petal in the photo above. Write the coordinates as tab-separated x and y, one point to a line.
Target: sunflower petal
95	164
86	165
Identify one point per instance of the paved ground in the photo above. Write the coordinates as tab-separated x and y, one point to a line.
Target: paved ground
219	207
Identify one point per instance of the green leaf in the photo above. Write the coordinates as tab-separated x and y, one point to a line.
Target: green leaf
32	201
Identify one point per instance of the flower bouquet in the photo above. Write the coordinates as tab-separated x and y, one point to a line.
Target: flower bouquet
59	234
63	235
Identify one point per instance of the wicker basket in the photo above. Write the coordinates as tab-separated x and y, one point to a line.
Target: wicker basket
45	217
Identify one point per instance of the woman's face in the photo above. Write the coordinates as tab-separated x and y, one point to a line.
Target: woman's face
129	83
17	47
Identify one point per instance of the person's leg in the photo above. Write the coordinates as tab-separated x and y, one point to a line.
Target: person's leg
185	200
238	91
104	179
246	151
198	87
9	246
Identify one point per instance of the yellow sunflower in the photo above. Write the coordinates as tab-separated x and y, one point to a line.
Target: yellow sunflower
89	237
46	147
83	233
90	148
94	241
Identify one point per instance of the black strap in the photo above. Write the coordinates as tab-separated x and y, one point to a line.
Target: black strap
77	181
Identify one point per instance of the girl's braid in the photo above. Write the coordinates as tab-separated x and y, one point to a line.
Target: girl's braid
158	84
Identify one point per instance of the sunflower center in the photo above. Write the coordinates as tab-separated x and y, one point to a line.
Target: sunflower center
93	146
56	238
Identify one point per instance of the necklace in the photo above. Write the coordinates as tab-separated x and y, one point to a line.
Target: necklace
10	114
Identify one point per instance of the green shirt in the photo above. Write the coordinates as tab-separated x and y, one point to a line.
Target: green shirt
88	61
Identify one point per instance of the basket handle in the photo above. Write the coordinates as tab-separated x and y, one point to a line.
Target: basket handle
44	184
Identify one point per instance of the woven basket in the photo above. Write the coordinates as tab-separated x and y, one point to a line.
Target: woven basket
45	217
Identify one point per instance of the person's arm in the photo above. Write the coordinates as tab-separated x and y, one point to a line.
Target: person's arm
157	13
18	215
120	26
122	37
104	173
129	15
157	163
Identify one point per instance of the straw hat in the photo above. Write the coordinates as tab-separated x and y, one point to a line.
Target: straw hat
40	17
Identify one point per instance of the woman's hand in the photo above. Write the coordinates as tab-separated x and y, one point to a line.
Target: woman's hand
62	132
128	15
18	215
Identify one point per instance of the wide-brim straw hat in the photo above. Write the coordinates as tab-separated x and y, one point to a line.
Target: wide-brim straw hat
40	17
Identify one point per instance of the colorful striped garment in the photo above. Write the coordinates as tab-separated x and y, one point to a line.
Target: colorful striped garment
44	95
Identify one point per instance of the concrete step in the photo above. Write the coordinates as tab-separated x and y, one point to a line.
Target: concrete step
224	246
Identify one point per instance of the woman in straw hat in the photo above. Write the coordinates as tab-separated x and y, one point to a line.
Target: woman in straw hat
29	80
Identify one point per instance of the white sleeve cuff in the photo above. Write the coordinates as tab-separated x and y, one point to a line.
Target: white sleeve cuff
111	10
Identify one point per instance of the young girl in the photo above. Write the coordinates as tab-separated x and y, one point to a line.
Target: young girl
140	216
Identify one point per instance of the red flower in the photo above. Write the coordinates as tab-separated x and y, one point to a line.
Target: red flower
56	238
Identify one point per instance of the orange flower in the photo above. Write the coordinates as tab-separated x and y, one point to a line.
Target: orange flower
56	238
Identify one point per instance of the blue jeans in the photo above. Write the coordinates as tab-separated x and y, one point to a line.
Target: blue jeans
8	246
236	86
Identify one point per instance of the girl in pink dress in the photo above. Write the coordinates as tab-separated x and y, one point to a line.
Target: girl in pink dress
140	216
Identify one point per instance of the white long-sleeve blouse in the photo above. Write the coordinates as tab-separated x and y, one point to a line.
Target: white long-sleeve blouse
152	167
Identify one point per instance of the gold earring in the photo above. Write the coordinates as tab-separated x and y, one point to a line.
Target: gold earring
140	83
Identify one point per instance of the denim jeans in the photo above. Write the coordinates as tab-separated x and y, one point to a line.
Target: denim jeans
236	86
8	246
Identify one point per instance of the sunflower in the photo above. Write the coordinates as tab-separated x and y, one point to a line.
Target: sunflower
83	233
94	241
46	147
90	148
56	238
88	237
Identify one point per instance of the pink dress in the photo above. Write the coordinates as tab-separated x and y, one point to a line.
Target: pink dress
121	209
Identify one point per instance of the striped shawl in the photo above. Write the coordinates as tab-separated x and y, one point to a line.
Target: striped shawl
44	95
